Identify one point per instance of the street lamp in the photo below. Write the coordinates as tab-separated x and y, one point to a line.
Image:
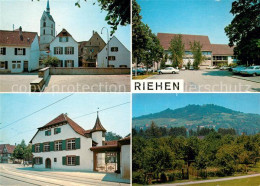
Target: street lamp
107	44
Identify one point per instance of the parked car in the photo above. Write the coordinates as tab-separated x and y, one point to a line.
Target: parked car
183	68
140	71
224	68
253	70
211	67
238	69
169	70
191	68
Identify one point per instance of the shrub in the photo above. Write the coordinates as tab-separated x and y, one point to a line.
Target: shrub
171	176
163	177
138	177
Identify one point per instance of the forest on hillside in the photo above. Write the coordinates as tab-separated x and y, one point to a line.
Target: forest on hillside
166	155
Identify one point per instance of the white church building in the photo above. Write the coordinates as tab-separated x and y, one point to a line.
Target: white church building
63	144
118	55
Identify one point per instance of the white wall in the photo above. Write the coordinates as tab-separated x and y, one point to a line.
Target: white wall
34	55
71	43
97	137
86	155
10	56
125	161
122	56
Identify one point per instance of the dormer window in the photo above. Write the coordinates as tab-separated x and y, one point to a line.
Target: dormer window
63	39
57	130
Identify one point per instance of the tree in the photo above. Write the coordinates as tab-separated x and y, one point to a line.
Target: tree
244	29
110	136
28	153
19	151
197	54
177	51
51	61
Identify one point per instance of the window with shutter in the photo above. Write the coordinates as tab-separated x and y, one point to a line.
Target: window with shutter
41	147
63	144
40	160
33	148
2	51
24	51
33	160
52	146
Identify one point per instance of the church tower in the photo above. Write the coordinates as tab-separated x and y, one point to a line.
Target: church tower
47	27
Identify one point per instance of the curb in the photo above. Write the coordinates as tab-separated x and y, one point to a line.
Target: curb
245	79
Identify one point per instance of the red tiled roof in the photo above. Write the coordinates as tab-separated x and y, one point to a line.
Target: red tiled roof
114	142
220	49
98	126
10	148
64	32
12	38
64	118
165	40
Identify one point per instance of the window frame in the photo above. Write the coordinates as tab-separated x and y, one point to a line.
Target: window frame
38	147
59	145
2	49
71	160
48	145
70	143
114	49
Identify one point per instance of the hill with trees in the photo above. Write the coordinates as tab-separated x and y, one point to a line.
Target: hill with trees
193	116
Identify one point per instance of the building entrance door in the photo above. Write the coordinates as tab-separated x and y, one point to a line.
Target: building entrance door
48	163
106	162
25	66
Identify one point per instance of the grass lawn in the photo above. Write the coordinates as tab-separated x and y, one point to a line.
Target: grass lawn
244	181
144	76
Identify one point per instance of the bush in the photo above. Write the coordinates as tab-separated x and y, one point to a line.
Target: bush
211	173
171	176
51	61
163	177
138	177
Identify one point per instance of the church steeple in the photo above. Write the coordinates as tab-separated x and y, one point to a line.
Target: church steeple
48	7
98	126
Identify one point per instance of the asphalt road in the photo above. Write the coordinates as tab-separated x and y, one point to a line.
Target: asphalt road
67	83
11	174
213	81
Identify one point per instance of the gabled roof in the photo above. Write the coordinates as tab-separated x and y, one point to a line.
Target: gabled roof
221	49
10	148
63	33
63	118
13	38
166	38
98	126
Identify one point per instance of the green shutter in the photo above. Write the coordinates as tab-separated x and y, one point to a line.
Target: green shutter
77	141
41	147
55	50
77	160
59	130
63	144
61	49
49	132
64	162
33	148
66	50
40	160
46	133
72	50
59	39
33	160
52	146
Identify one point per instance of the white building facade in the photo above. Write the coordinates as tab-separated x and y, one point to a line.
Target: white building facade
65	48
19	51
118	55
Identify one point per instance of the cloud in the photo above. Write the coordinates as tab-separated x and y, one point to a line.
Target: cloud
217	0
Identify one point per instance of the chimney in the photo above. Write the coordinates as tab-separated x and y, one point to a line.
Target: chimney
21	33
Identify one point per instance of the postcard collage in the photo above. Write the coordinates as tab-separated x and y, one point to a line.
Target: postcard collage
130	92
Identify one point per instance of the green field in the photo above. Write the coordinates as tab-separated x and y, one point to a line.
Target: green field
253	181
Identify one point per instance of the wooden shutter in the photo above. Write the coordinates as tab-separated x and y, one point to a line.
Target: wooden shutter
41	147
66	63
61	49
72	63
15	51
49	132
4	51
61	63
59	39
67	39
24	51
59	130
40	160
55	50
63	144
33	148
72	50
66	50
52	146
33	160
64	160
77	160
6	65
77	141
46	133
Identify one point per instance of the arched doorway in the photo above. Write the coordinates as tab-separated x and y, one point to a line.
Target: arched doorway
48	163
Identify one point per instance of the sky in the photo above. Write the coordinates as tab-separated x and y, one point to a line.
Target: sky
15	106
151	103
79	22
196	17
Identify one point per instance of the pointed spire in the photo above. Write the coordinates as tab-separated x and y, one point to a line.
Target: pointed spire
48	7
98	126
